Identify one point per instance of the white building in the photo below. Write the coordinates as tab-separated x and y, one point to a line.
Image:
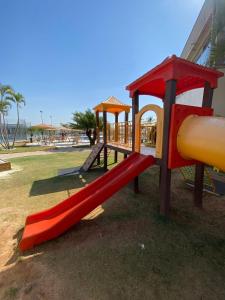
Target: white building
206	45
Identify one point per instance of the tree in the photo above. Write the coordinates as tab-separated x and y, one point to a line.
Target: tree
86	121
19	100
5	93
4	107
216	56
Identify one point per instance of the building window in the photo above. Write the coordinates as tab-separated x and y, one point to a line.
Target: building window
203	58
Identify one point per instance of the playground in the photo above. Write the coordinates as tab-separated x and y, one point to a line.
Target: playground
123	250
185	136
119	222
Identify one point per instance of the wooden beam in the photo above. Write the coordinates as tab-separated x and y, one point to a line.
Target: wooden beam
199	168
98	134
105	139
126	128
118	149
116	136
135	109
165	172
126	131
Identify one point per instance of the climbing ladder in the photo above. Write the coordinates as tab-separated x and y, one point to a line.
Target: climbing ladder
96	150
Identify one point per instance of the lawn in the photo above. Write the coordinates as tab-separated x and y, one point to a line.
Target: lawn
126	252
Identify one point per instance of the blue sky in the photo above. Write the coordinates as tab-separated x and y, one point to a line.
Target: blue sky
69	55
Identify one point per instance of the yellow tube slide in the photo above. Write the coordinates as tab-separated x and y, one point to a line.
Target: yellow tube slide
203	139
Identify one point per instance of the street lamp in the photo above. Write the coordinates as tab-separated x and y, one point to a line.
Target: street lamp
51	119
41	112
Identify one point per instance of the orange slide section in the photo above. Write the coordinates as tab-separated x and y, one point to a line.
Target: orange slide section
49	224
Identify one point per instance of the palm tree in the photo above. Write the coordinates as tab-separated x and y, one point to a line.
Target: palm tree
4	107
87	122
5	92
19	100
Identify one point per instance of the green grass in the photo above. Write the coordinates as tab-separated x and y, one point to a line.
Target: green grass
11	293
21	149
127	252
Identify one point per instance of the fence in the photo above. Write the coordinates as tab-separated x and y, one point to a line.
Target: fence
11	129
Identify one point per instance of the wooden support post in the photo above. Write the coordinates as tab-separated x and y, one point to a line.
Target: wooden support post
199	168
97	134
105	139
126	131
116	136
135	109
165	172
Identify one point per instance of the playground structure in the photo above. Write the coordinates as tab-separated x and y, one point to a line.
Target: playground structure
182	138
185	135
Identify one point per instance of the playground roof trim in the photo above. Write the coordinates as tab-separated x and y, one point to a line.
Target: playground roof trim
188	75
112	105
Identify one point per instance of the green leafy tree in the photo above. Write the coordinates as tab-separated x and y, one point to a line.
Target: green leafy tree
217	40
5	105
19	100
86	121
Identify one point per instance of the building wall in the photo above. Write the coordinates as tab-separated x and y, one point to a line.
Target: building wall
219	97
194	97
194	49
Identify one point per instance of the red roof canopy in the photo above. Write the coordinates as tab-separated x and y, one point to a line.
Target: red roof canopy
188	75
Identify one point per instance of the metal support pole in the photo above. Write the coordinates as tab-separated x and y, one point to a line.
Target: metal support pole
165	172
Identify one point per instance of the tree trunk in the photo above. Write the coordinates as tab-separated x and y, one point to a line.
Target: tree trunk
89	135
5	133
3	143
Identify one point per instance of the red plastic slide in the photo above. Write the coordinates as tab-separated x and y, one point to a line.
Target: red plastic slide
49	224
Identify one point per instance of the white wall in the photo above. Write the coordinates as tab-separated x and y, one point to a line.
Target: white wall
194	97
219	97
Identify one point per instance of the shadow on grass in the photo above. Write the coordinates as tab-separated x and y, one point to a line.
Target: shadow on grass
63	183
55	184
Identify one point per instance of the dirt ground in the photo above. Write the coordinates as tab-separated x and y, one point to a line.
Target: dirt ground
123	250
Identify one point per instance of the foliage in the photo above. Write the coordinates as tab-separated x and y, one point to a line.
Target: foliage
5	105
217	39
19	100
8	96
87	121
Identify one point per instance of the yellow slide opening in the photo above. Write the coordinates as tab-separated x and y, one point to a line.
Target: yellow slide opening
203	139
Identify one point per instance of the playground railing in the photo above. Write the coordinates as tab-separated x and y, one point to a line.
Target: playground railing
121	134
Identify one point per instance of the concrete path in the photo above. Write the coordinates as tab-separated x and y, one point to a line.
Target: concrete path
35	153
23	154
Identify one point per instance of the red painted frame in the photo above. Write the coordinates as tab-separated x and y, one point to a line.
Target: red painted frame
178	114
